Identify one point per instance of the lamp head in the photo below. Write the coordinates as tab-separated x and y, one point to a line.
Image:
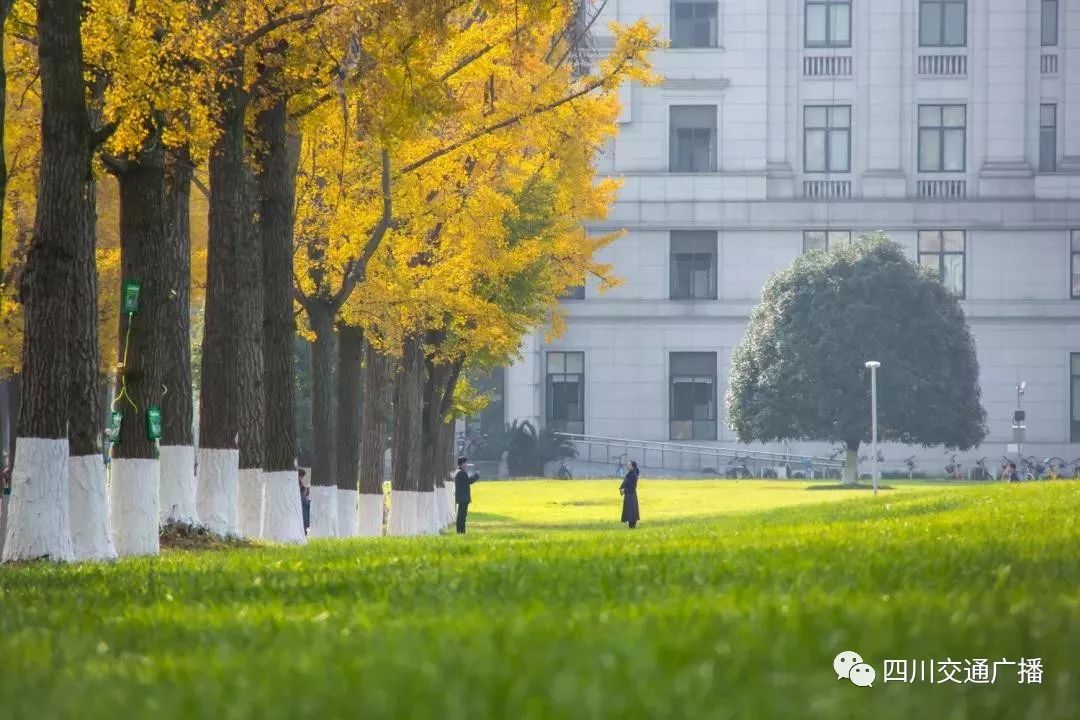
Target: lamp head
873	364
1023	386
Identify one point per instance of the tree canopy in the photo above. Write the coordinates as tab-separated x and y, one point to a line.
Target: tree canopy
799	373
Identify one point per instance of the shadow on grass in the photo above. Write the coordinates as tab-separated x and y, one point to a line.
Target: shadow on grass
856	486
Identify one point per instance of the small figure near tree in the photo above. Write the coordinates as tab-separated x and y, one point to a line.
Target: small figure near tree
799	373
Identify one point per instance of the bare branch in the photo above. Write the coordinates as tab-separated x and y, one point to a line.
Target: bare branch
255	35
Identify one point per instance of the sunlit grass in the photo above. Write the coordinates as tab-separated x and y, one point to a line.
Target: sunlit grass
710	609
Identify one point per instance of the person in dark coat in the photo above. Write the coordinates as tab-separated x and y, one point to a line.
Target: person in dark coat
630	512
463	492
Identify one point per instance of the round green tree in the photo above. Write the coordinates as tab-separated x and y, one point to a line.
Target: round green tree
799	372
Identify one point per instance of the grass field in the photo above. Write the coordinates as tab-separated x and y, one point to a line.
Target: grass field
730	600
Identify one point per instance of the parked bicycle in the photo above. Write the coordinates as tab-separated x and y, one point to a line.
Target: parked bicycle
1076	469
1056	468
953	470
738	468
911	465
564	472
980	471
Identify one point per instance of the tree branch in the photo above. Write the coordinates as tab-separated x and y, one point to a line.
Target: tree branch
359	268
258	34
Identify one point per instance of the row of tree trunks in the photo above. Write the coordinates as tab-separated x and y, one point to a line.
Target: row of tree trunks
144	243
251	409
39	523
378	395
177	447
218	456
349	395
278	161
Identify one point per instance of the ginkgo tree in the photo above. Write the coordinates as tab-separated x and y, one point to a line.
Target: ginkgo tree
490	78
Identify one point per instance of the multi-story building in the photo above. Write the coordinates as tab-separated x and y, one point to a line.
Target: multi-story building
785	125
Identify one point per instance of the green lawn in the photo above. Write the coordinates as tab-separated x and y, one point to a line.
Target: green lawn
721	604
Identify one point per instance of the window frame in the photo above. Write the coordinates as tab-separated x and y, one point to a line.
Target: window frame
829	42
711	238
1051	132
829	131
574	292
828	237
940	7
711	164
552	422
941	253
1074	265
1074	398
715	25
1053	42
942	131
694	378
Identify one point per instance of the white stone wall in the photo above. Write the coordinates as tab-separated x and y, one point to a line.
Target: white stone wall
1017	219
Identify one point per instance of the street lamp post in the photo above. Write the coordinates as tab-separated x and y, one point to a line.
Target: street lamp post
873	365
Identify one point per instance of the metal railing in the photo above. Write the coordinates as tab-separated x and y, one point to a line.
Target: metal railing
827	189
657	454
827	66
943	65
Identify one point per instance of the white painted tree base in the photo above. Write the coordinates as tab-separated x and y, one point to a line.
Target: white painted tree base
451	506
348	524
411	513
251	490
324	512
178	484
370	510
88	502
38	520
218	499
283	518
440	508
133	495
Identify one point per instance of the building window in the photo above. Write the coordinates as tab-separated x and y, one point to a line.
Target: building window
693	24
693	265
575	292
1047	137
693	396
824	239
828	23
943	23
1074	397
693	138
827	138
1075	264
566	392
942	138
1049	23
942	253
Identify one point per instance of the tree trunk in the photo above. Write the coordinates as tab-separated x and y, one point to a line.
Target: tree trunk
177	439
305	439
219	458
434	386
851	463
412	498
324	513
87	494
14	402
249	347
446	460
347	464
5	9
282	518
38	523
143	247
378	392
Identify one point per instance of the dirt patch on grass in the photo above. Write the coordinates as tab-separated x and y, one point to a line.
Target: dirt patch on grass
183	536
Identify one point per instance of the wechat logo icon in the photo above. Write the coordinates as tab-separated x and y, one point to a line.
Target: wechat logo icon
849	665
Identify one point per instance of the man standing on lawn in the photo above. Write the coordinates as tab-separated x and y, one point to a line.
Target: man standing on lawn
463	492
